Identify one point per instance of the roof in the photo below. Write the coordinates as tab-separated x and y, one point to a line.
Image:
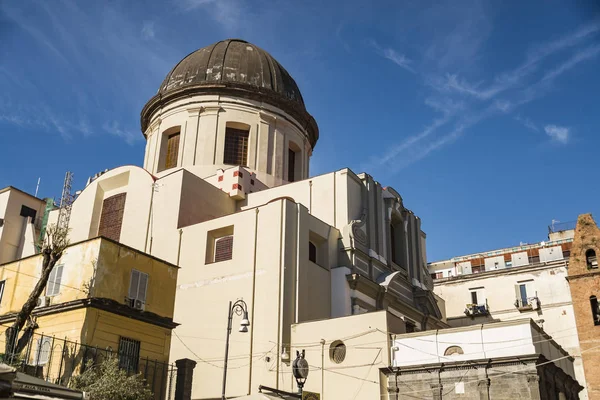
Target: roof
237	68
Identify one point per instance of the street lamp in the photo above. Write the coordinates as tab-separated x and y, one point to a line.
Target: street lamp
240	308
300	369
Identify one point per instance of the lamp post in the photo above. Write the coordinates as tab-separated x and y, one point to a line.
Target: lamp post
240	308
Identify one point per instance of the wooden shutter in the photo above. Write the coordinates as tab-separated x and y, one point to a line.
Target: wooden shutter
143	287
172	151
236	147
53	286
134	283
111	219
224	248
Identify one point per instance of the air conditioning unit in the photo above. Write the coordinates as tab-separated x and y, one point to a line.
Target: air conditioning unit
139	305
43	301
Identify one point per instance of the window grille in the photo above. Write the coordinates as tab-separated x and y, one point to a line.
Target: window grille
236	146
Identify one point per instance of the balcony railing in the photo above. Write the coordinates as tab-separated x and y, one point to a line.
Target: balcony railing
531	303
474	310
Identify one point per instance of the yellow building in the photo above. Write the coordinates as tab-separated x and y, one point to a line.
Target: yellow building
101	297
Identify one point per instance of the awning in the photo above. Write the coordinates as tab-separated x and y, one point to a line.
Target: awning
24	386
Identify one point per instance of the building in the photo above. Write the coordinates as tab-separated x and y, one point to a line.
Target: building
225	194
504	360
525	281
20	223
584	281
101	296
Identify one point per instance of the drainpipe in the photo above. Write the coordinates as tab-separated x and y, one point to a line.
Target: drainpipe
179	247
279	298
323	369
252	302
150	218
297	288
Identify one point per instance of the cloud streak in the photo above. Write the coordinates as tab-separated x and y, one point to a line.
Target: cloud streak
558	134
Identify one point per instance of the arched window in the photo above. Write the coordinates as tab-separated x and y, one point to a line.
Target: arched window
595	310
236	146
590	259
453	351
312	252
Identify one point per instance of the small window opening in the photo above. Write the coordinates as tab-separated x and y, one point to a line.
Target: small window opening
591	259
312	252
595	310
224	248
291	165
393	243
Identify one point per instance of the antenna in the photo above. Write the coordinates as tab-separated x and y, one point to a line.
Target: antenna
66	202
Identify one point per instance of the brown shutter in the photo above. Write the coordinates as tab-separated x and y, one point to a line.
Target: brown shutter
111	218
223	248
236	147
172	151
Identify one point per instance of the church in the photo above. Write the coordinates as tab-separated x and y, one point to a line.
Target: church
332	265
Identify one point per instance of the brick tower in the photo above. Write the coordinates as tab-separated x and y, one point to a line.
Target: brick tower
584	281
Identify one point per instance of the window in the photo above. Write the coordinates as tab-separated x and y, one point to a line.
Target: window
393	243
172	150
521	291
478	296
474	297
111	218
2	284
236	146
291	165
129	354
590	259
453	350
53	286
43	347
478	269
138	285
28	212
337	352
312	252
224	248
219	245
595	310
508	264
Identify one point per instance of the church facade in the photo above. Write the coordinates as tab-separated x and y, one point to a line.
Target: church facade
225	194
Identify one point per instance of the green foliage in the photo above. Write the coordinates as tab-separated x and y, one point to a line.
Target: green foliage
106	381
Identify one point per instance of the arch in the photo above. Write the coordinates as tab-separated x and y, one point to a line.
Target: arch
454	351
590	259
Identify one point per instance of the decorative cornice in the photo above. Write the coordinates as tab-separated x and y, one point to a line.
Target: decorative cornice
155	124
195	111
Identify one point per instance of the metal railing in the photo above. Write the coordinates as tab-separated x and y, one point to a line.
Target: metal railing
562	226
58	360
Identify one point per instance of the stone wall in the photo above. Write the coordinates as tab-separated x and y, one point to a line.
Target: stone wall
507	378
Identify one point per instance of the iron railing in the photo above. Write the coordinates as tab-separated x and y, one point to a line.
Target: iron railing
58	360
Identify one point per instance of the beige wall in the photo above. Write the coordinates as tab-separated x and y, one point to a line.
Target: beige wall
202	121
367	349
18	235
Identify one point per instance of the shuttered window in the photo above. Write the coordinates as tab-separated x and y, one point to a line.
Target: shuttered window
2	284
53	286
236	147
172	150
224	248
138	285
111	218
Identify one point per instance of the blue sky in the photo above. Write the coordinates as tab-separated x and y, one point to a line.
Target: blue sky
483	115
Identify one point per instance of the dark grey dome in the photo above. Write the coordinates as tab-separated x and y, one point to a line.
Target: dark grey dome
238	68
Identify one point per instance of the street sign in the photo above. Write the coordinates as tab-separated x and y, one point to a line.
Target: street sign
310	396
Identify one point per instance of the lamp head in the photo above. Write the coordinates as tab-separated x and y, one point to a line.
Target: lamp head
245	321
243	329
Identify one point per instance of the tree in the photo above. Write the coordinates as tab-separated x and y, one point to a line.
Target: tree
52	248
106	381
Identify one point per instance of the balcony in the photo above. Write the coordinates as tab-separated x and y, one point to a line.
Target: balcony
475	310
529	304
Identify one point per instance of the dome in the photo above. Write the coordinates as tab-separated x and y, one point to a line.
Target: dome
238	68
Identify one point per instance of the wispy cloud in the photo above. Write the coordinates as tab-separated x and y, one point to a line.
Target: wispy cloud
226	12
559	134
502	95
130	136
148	30
399	59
